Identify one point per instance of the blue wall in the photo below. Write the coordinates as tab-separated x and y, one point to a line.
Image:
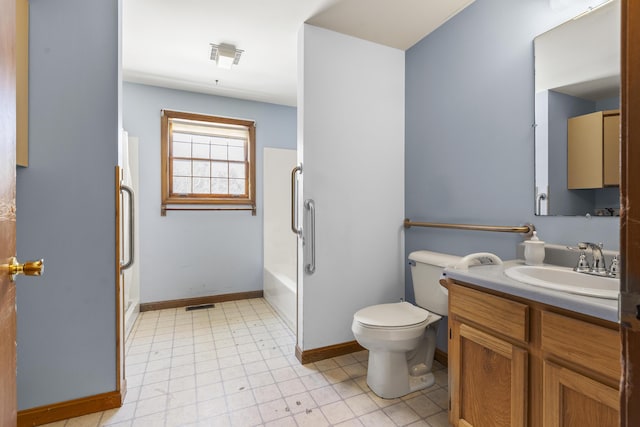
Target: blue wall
469	134
563	201
65	203
191	254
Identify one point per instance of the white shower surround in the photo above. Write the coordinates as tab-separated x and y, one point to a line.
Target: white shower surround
279	274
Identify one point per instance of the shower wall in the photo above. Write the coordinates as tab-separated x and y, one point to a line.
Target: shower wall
279	241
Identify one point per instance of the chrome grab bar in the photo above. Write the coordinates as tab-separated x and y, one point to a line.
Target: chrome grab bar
311	206
129	191
294	199
524	229
539	198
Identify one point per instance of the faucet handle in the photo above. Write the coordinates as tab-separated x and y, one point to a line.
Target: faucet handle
583	265
615	267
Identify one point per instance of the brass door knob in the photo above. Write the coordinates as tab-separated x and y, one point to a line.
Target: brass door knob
29	268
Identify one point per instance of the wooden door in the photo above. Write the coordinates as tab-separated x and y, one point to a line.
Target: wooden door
584	151
571	399
630	214
8	401
488	379
611	150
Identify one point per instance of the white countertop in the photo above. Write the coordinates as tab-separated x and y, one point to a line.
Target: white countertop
493	277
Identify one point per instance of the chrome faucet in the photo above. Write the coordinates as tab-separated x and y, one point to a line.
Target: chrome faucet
598	266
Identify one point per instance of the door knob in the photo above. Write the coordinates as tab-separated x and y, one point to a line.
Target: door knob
29	268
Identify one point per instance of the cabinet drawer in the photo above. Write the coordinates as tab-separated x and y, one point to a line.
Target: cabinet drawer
591	346
498	314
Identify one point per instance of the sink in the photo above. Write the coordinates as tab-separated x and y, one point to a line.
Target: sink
566	280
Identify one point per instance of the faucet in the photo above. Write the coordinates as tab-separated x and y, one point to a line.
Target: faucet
598	266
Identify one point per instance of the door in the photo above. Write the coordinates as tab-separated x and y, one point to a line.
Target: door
630	214
8	401
488	380
571	399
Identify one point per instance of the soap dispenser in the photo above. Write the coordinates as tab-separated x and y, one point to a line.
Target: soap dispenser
533	250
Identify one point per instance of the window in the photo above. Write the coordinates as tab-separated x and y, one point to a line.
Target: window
207	159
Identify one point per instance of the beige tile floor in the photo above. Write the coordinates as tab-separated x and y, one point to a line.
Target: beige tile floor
234	365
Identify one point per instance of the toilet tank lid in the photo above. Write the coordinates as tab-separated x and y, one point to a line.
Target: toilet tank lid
434	258
391	315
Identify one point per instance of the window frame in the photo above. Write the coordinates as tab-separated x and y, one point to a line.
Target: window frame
166	139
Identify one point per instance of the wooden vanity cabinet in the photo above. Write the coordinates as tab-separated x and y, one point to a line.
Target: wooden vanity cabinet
581	369
487	359
593	150
514	362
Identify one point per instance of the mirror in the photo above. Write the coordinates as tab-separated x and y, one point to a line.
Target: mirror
577	101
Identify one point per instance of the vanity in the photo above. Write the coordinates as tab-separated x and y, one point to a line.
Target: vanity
520	355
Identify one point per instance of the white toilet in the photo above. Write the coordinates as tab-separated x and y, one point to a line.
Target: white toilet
401	337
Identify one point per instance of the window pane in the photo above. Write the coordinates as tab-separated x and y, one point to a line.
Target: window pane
219	169
201	185
236	170
200	139
201	151
183	137
182	168
181	185
236	153
181	149
236	186
219	152
236	142
219	186
201	168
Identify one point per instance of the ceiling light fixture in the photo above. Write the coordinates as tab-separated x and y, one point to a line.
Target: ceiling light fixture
225	55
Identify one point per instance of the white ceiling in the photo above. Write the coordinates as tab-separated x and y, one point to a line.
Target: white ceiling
166	43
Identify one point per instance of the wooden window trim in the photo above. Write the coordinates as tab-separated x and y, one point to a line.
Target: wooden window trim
205	199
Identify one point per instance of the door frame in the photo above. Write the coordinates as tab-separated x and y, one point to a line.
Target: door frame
630	212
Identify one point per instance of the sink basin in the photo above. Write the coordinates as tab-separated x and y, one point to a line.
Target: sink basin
566	280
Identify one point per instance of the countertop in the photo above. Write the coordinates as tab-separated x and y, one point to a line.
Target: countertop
493	277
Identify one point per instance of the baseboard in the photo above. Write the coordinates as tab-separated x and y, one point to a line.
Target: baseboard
442	357
69	409
177	303
316	354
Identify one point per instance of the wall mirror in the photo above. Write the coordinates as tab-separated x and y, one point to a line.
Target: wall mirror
577	102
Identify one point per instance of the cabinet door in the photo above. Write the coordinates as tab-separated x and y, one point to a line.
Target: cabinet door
584	151
571	399
488	379
611	149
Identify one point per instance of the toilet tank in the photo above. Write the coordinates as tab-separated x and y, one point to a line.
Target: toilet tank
426	269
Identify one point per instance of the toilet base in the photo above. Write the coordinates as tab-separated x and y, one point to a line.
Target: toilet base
387	375
421	382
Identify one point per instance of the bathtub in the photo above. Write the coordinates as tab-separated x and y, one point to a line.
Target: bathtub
280	292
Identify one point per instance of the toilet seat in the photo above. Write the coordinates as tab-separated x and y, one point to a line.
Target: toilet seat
398	315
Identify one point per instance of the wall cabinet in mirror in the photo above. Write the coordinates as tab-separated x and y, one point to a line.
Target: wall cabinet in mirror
22	83
593	150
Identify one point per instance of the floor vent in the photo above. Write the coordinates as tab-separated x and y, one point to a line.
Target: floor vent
199	307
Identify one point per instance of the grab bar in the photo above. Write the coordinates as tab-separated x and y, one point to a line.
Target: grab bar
294	199
524	229
129	191
311	206
539	198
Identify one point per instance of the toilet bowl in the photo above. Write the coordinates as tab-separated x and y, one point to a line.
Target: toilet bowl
401	337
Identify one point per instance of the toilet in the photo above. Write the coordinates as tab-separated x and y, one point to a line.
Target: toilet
401	337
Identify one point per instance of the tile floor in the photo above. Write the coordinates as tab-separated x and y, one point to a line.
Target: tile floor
234	365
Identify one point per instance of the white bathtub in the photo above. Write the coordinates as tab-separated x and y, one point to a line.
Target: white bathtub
280	292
